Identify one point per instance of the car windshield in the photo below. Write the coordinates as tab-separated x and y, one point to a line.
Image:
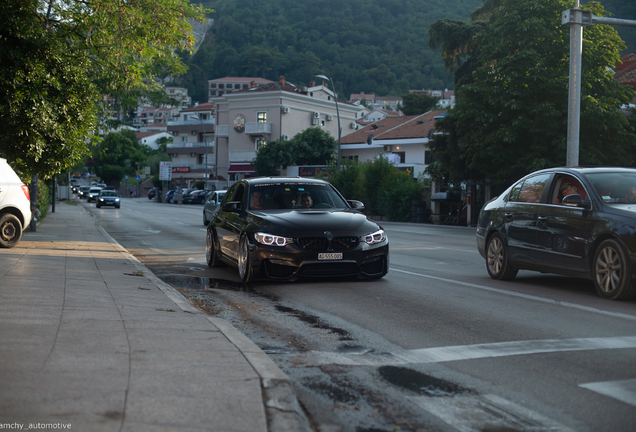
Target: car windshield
289	195
615	187
107	193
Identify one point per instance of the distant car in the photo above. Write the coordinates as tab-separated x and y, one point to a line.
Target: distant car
110	188
169	196
152	193
108	198
93	192
15	206
211	204
195	197
83	192
578	222
263	229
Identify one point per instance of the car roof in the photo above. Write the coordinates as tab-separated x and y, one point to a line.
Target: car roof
265	180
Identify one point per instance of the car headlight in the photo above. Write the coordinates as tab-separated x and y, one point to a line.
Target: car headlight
116	199
376	237
272	240
101	199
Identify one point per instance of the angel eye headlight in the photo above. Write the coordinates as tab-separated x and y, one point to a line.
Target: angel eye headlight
272	240
376	237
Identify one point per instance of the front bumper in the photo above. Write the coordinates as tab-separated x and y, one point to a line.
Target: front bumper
290	262
108	203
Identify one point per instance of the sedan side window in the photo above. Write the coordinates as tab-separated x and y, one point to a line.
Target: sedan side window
532	189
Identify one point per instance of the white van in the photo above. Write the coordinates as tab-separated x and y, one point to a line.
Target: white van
15	206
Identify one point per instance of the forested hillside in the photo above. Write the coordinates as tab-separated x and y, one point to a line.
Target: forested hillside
375	46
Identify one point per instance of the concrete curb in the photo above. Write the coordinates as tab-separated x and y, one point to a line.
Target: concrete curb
284	413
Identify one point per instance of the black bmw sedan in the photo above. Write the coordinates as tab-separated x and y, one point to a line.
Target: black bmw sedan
579	222
287	228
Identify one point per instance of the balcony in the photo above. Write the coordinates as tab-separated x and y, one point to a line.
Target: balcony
222	130
242	156
191	122
258	128
192	144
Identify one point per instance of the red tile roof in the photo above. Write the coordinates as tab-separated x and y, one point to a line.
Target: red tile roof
626	70
390	128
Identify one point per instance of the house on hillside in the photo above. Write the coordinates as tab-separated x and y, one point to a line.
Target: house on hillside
220	86
151	138
248	118
626	71
403	140
379	114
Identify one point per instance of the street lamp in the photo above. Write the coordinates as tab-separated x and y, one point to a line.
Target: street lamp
323	77
205	142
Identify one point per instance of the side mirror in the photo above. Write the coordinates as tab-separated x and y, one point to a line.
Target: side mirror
576	200
232	207
356	205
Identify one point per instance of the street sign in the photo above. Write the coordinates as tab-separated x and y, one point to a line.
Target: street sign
165	171
147	170
126	178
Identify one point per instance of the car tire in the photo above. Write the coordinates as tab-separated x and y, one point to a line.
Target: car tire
497	263
212	256
611	272
246	273
10	230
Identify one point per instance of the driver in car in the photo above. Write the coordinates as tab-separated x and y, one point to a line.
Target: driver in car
257	202
306	201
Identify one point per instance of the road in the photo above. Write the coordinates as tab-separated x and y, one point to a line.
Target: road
435	345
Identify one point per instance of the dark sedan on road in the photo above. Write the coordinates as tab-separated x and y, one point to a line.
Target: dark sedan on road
578	222
287	228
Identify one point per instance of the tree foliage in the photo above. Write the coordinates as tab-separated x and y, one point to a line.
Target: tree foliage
313	146
118	154
59	59
511	107
418	103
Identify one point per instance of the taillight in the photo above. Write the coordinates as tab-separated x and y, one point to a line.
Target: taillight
25	189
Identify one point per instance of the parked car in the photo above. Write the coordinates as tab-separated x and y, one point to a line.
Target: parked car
195	197
93	192
211	204
83	192
262	229
169	196
108	198
15	206
152	193
578	222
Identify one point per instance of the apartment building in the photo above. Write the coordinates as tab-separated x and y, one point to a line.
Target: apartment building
248	118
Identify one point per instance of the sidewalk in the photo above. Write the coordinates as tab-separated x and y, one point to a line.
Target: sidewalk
91	340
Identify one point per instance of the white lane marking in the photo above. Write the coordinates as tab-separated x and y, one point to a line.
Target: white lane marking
526	296
181	223
196	260
486	412
624	391
430	246
470	352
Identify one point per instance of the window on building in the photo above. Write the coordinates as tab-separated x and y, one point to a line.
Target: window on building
221	86
184	138
322	123
402	156
213	85
261	117
221	93
201	159
212	92
260	143
428	157
246	86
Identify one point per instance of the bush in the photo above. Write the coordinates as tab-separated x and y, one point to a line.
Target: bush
44	199
384	189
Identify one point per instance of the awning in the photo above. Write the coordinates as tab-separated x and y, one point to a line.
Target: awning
241	168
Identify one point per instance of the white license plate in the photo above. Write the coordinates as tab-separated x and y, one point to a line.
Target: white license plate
330	256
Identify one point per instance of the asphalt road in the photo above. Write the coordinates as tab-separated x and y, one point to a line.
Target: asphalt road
435	345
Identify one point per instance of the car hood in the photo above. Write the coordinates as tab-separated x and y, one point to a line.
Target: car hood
309	223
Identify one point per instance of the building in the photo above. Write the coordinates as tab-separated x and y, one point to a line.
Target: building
403	140
248	118
151	138
220	86
192	148
447	97
390	103
379	114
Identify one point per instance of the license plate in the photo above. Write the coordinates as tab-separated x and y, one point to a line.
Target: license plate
330	256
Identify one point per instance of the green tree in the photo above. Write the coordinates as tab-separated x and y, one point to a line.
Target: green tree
313	146
118	154
59	59
511	115
418	103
